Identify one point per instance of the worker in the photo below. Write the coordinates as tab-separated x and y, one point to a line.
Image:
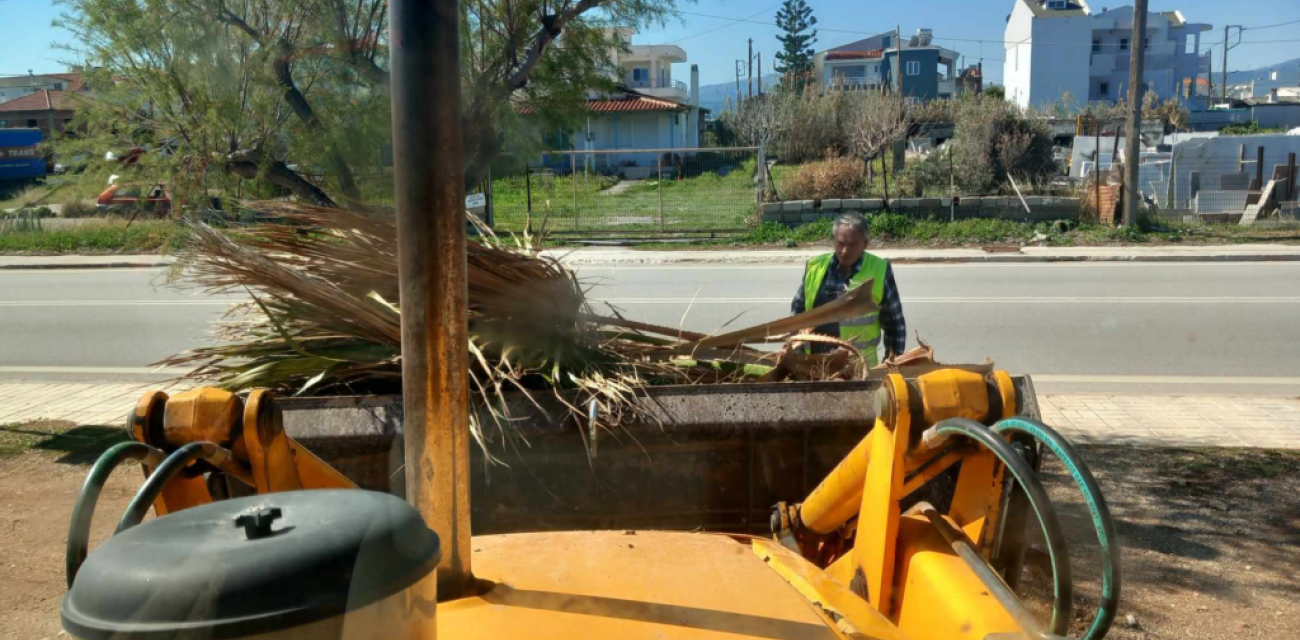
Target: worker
829	276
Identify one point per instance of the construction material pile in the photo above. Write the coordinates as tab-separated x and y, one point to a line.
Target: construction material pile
325	319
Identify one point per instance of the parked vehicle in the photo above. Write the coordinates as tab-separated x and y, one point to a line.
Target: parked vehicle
20	154
129	197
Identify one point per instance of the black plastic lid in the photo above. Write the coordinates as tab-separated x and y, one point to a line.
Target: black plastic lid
250	565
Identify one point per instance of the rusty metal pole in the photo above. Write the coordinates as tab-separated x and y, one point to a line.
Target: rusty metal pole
430	196
659	163
1259	168
1290	176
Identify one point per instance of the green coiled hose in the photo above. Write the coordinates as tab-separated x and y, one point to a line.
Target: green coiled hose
1101	519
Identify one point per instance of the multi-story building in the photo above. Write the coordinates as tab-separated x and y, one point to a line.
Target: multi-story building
12	87
928	70
1054	47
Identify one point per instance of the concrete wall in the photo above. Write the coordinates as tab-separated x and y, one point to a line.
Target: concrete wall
1059	68
1017	62
1286	116
1042	209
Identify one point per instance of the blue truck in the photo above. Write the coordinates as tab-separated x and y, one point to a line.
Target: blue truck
20	154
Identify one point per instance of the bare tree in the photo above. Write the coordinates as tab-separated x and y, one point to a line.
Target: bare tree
760	121
873	122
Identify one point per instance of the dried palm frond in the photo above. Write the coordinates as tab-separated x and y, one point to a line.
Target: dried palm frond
325	318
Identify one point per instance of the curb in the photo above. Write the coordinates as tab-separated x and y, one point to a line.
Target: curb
38	266
987	259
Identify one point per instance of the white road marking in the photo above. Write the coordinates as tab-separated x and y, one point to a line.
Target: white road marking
119	303
798	266
1085	379
169	371
991	300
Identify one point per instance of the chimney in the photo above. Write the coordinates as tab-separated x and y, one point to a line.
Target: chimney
695	85
1272	95
1272	74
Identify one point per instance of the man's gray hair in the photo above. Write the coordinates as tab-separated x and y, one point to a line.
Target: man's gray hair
854	221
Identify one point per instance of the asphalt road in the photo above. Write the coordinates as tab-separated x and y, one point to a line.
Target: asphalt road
1136	327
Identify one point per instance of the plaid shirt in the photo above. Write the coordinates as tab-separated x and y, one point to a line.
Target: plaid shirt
834	285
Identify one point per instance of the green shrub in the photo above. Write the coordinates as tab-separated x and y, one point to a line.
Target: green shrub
97	236
77	209
832	178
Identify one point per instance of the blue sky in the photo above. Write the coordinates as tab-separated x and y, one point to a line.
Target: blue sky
26	36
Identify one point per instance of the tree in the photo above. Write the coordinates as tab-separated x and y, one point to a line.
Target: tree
874	121
997	92
264	97
794	60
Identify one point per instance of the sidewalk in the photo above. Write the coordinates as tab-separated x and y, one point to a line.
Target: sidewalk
1176	421
624	256
1165	253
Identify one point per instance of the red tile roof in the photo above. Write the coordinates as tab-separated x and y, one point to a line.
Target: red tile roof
629	104
43	100
852	55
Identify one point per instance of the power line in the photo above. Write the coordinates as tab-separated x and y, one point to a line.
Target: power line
1270	26
734	21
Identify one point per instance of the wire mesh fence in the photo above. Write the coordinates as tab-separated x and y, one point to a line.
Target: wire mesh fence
1251	184
629	191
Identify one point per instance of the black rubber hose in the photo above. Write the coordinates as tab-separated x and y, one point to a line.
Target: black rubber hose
83	511
1057	549
144	498
1107	539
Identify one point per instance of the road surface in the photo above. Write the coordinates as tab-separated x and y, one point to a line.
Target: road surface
1137	327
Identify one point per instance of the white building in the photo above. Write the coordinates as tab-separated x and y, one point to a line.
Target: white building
12	87
645	120
1059	46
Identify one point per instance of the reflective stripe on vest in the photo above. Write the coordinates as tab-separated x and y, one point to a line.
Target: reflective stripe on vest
864	331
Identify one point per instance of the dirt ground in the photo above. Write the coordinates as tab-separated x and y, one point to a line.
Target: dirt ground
1210	537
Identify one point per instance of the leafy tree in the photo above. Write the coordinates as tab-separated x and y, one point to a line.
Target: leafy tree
996	91
795	58
266	97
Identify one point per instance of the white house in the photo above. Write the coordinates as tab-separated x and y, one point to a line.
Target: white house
12	87
1058	46
646	119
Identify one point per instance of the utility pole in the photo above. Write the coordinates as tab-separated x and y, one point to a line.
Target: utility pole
1226	46
749	64
738	99
898	42
1137	55
760	73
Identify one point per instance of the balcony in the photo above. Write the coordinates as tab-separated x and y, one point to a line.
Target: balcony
674	90
853	83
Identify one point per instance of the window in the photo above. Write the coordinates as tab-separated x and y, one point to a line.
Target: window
1096	45
1123	44
31	122
1055	4
641	75
913	68
1103	89
58	86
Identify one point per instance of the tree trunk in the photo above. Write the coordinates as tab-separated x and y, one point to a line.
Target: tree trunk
298	103
246	164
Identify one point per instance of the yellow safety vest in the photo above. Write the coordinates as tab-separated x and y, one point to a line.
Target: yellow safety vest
864	332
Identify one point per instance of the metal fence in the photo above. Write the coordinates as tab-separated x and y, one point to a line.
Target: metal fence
629	191
1251	184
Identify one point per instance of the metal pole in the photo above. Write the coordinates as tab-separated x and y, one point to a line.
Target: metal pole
573	161
528	186
1259	168
749	71
1224	87
1290	176
1096	167
1137	55
952	189
760	73
429	194
659	161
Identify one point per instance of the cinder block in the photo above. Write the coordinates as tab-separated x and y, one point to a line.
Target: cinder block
905	203
1034	201
832	204
792	205
771	207
850	204
969	202
928	203
807	205
791	217
771	216
871	204
810	217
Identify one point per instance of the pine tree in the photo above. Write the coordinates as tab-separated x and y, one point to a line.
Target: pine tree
796	56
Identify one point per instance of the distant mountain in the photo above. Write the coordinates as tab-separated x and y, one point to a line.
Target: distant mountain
714	96
1289	70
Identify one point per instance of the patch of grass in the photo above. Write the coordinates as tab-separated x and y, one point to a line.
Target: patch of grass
78	445
722	198
103	236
